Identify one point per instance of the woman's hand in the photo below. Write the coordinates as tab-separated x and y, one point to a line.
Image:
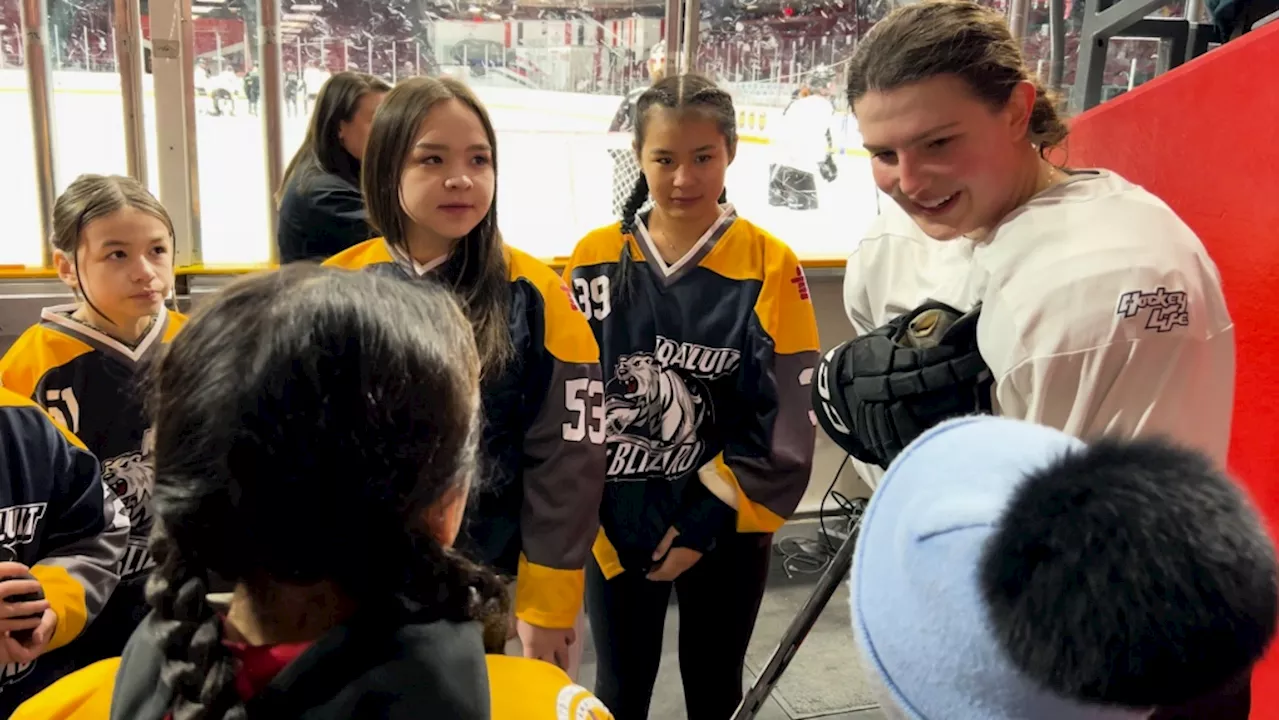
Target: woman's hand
678	559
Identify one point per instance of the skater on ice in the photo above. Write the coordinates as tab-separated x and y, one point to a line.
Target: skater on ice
804	144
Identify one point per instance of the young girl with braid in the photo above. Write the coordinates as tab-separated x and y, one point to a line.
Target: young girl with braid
707	342
316	442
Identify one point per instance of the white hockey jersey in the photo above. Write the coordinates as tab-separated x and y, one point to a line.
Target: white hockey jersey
1102	313
802	137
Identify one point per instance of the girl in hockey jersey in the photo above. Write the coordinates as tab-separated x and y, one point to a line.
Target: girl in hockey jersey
708	341
113	246
63	535
1101	311
430	187
316	441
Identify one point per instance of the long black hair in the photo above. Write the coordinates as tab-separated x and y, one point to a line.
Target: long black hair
684	93
322	150
304	420
477	269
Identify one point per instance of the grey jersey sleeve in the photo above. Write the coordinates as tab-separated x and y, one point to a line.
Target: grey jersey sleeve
563	473
770	455
83	529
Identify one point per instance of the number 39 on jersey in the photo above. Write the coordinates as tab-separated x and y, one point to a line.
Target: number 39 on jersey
592	295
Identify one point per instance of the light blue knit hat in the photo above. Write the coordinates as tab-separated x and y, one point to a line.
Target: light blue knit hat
917	609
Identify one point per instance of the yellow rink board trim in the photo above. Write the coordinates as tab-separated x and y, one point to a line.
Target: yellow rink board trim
557	263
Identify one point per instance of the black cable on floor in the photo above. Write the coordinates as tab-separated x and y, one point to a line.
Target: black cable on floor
804	556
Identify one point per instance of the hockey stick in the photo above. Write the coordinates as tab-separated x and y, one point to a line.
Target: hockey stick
802	624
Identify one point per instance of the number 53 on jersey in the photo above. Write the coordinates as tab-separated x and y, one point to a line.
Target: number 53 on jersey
584	399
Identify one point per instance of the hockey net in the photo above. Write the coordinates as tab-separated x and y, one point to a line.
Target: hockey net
626	173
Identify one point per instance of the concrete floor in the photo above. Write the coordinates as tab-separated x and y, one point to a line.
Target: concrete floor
825	661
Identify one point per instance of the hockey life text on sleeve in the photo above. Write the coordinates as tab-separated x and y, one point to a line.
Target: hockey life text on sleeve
564	460
878	392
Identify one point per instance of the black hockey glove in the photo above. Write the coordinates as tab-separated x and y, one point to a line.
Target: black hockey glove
827	169
878	392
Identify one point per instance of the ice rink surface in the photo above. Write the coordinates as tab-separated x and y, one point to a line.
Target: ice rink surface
555	179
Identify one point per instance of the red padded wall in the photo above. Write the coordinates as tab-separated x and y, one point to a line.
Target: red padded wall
1203	138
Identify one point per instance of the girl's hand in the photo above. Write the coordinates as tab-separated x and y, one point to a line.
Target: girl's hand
677	561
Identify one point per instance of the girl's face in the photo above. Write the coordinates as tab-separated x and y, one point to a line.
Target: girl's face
954	164
684	157
448	181
125	265
354	133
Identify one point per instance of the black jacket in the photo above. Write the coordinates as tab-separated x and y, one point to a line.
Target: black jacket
320	219
380	665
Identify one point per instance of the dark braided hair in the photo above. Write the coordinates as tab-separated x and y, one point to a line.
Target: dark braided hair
683	93
294	404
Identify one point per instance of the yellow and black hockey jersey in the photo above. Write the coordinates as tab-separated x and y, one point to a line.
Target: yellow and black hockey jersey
57	518
88	381
538	515
708	363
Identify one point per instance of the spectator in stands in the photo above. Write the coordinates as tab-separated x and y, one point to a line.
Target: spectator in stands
1006	571
321	211
317	437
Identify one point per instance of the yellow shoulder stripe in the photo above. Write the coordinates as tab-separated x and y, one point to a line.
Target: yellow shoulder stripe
36	352
8	398
603	245
568	335
176	321
356	257
784	307
739	253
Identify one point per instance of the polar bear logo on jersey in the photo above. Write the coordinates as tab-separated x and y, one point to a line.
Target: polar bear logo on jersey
656	403
130	477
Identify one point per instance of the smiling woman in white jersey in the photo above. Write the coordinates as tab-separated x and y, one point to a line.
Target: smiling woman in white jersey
1101	311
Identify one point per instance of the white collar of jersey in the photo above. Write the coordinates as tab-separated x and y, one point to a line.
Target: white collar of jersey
409	263
60	315
727	215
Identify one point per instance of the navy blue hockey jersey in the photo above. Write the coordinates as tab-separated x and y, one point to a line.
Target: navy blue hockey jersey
707	366
88	381
542	434
57	518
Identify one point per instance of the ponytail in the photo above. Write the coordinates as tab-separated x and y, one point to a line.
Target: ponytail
1046	128
621	279
451	586
199	668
